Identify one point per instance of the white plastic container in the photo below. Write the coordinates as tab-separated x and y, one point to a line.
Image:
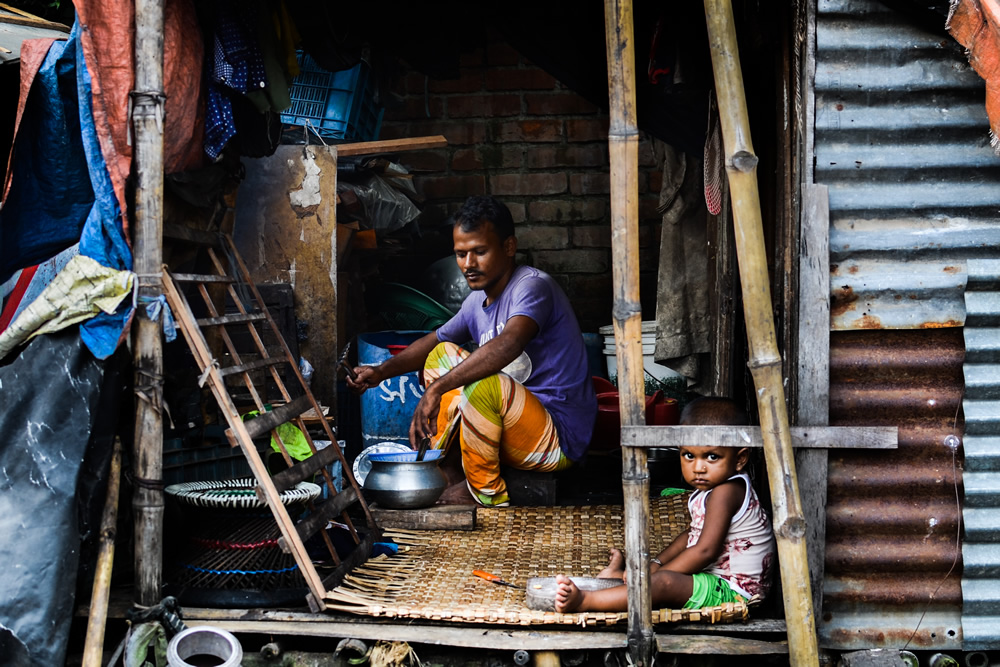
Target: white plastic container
201	642
655	370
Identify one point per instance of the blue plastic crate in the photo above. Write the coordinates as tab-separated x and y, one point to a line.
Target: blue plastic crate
334	105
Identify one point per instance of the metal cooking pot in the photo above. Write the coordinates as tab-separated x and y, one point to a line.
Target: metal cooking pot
399	481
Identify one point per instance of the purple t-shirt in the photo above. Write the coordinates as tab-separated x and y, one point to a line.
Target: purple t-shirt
554	363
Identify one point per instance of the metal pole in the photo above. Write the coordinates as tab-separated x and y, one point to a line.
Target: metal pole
147	123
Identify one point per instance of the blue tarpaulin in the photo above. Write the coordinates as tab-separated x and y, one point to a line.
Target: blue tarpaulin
61	192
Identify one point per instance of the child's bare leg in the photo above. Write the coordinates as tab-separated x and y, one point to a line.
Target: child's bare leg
670	589
616	565
570	598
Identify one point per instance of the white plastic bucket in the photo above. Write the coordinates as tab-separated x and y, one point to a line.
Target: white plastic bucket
655	370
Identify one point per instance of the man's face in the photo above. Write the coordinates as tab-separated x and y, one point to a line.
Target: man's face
483	258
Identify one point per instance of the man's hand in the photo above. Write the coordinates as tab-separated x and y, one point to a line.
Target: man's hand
365	378
424	423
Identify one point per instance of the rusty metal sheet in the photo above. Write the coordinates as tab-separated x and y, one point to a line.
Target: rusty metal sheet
901	140
893	555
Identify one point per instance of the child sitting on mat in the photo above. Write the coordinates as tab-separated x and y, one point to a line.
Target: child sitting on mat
727	552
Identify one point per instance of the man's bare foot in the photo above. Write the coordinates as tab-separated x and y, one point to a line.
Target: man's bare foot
568	596
457	494
616	565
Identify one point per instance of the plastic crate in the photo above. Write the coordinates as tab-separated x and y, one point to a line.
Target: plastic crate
334	105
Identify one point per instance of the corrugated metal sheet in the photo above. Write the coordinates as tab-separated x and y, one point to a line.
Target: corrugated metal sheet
981	548
902	142
893	565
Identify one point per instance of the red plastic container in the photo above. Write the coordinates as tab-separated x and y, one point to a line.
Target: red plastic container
396	349
660	411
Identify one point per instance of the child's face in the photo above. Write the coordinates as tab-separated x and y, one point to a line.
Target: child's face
706	467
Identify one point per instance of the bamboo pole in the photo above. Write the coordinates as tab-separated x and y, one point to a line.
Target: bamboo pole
147	120
623	149
765	362
93	647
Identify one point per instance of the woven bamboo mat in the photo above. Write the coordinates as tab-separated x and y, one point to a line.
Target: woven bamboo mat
431	577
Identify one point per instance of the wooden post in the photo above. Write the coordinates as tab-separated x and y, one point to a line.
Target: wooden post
623	148
93	647
765	362
147	123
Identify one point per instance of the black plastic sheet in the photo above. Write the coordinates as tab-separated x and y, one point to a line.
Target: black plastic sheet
52	472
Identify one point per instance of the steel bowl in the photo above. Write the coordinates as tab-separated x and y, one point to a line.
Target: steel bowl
399	481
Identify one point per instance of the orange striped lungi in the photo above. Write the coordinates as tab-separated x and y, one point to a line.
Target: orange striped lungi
499	421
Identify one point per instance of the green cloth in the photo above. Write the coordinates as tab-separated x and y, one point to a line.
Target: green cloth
294	440
710	590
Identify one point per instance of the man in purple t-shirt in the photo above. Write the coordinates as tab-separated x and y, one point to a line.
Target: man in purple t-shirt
524	397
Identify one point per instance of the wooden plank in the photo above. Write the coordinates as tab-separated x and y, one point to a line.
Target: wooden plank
813	373
812	437
202	278
440	517
322	513
230	319
283	413
253	365
716	645
303	470
391	145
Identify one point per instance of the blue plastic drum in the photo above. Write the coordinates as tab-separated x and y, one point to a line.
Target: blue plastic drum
386	410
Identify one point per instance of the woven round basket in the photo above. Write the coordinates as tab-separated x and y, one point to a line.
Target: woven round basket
237	494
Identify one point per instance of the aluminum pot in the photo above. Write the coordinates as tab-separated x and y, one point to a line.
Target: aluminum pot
399	481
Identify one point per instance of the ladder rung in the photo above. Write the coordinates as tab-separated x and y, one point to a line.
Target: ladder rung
358	556
303	470
201	278
253	365
269	421
322	513
230	319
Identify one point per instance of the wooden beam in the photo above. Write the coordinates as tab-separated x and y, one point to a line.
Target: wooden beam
303	470
269	421
439	517
391	146
809	437
813	373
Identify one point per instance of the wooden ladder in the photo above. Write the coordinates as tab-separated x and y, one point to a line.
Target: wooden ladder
257	377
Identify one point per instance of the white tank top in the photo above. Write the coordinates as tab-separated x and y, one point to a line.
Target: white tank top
749	554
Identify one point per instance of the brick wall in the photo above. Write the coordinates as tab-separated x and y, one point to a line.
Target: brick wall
515	132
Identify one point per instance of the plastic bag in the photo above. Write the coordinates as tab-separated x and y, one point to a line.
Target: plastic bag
382	207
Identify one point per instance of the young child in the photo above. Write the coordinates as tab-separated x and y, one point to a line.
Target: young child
727	552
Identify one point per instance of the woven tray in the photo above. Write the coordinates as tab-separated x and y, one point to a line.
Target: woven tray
431	576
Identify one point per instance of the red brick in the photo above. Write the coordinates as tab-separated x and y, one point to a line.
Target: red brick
412	83
519	79
450	187
598	284
587	129
416	107
395	130
655	181
544	237
572	261
647	208
457	133
486	106
516	211
557	104
592	236
501	53
530	130
468	82
425	160
561	210
466	159
546	157
512	157
528	184
472	59
592	183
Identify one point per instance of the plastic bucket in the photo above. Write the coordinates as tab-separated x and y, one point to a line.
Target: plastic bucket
660	411
386	410
653	369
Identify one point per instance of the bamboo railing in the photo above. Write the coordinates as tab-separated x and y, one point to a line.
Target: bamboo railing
765	361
